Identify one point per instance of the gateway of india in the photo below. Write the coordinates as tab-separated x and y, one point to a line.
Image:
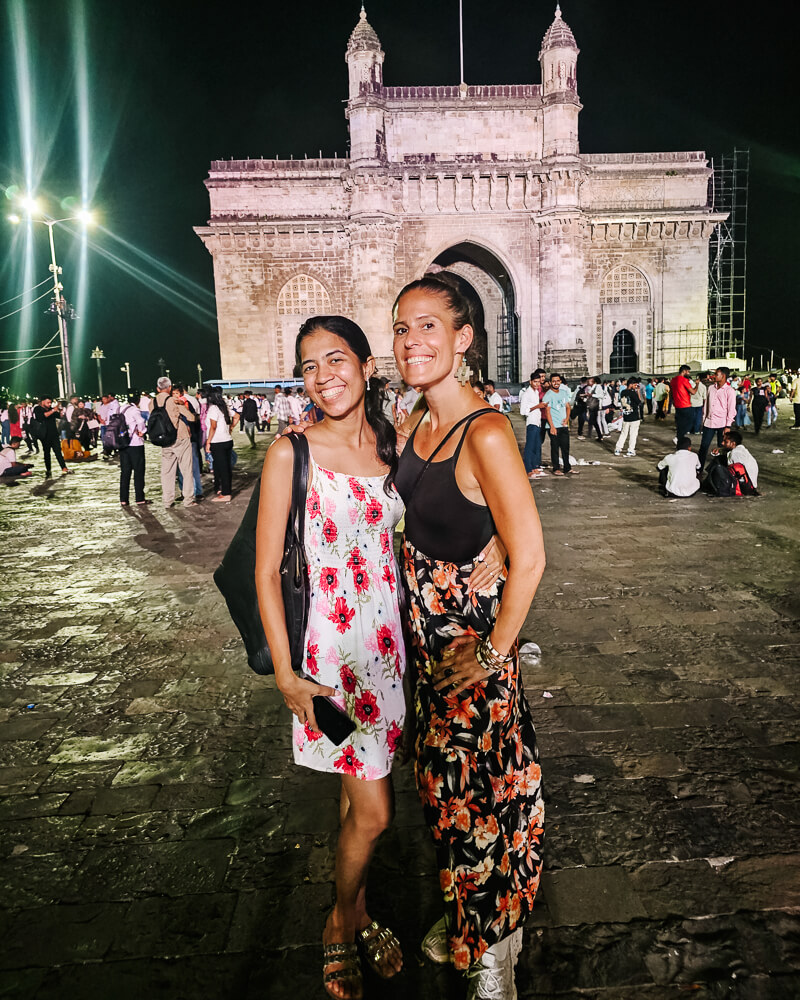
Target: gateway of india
577	262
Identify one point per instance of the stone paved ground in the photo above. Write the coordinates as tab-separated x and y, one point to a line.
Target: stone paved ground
155	840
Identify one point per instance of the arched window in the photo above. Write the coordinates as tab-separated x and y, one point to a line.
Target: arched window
301	297
625	284
624	359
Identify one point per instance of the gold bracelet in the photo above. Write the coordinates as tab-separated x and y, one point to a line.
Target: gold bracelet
487	642
479	656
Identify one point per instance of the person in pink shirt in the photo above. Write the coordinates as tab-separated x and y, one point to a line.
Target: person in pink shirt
719	412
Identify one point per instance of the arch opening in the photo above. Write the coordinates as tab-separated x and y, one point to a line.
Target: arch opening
624	359
495	351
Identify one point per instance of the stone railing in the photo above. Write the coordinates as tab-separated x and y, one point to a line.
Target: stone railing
525	91
694	156
265	166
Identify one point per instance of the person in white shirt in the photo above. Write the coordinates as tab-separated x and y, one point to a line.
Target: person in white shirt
680	471
736	452
493	397
264	413
145	405
220	443
410	397
131	458
10	468
108	406
295	406
698	402
530	407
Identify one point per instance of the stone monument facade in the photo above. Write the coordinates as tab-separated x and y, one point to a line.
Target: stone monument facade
578	262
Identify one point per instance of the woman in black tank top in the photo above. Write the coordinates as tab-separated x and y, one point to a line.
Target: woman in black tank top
462	480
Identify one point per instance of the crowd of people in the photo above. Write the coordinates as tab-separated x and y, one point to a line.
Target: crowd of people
709	405
716	406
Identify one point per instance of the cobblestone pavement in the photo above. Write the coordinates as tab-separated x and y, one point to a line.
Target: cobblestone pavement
156	840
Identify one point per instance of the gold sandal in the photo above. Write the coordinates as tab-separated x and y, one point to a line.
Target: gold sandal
376	943
349	971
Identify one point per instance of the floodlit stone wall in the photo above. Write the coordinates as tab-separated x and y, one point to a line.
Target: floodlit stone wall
491	180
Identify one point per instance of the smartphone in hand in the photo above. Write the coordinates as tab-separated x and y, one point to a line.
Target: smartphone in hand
332	720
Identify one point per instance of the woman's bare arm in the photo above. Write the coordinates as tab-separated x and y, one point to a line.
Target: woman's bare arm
501	475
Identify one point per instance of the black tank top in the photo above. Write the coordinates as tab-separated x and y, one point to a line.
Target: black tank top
440	521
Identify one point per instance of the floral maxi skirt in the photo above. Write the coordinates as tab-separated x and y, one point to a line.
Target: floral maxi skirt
477	766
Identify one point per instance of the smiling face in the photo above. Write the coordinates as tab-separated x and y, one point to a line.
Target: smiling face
333	376
427	347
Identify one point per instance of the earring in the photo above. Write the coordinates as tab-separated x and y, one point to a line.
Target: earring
463	371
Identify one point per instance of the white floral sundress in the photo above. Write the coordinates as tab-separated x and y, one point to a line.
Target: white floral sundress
354	638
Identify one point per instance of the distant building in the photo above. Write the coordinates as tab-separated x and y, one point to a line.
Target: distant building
579	262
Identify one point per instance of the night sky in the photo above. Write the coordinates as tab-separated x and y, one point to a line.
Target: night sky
172	85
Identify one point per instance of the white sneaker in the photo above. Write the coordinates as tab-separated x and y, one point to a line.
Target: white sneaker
493	978
630	454
674	440
617	452
434	944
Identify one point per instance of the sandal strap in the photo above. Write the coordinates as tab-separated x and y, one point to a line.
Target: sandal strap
351	973
377	942
339	952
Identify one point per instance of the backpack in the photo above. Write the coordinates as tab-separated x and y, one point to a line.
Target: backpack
725	480
160	429
744	484
116	434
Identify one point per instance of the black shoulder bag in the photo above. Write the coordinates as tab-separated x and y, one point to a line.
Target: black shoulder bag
236	575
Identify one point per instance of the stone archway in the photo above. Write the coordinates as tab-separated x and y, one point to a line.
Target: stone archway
496	345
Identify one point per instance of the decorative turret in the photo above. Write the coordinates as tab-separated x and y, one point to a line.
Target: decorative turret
558	59
364	58
365	108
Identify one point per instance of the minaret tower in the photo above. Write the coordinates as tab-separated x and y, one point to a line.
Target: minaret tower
559	60
365	107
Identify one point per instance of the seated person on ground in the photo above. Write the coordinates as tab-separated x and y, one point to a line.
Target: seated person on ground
679	472
10	468
736	453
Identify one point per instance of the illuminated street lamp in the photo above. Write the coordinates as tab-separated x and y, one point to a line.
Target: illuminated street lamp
98	356
59	306
127	369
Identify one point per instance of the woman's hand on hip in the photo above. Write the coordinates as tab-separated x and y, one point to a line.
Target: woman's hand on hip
488	566
458	669
298	693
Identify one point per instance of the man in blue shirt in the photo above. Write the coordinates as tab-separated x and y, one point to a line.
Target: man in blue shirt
556	410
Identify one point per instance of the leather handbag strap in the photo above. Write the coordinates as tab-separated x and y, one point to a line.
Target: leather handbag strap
297	512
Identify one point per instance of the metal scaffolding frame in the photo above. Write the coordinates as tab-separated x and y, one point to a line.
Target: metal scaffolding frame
727	254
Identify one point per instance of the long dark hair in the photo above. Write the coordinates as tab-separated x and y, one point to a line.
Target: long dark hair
355	338
446	286
214	397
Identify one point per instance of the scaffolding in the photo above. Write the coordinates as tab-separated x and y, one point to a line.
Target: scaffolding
727	254
507	348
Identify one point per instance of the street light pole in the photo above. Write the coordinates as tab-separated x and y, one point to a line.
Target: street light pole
127	369
60	371
60	310
199	375
98	356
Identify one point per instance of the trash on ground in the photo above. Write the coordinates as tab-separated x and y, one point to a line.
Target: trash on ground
546	694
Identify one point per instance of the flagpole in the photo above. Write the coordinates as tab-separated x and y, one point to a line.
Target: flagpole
461	35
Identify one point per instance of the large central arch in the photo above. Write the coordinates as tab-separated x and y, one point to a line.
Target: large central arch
497	344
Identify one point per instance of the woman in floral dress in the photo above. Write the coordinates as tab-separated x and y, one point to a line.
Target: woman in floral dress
477	767
354	651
